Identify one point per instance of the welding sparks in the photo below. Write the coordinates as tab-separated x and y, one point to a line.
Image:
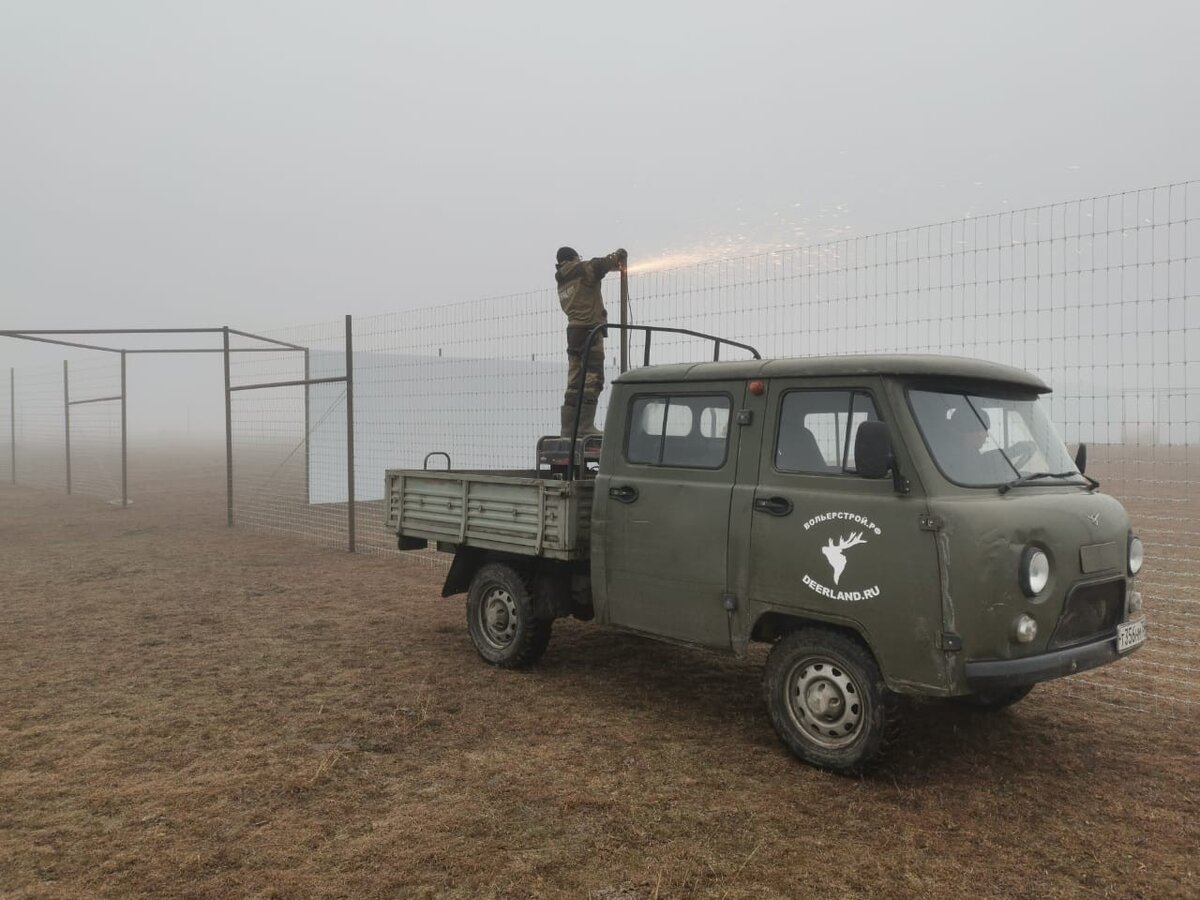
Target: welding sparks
783	233
671	261
712	251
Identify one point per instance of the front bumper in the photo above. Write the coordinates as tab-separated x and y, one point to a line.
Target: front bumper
989	674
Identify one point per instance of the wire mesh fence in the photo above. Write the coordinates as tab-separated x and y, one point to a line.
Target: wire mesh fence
8	437
61	428
289	443
1093	295
38	423
94	390
1098	296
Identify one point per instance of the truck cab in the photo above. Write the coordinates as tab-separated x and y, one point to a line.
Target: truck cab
888	524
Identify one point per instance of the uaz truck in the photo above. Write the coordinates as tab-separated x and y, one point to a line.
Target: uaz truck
888	524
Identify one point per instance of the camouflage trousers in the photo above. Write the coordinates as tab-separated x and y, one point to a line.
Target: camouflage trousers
576	338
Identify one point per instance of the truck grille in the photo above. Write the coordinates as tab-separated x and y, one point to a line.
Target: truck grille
1091	610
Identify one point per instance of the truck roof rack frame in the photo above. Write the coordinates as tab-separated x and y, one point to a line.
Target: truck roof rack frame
649	331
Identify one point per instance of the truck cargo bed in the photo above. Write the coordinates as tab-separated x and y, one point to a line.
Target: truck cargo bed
510	510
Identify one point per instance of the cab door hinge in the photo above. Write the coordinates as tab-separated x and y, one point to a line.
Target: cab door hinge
950	641
745	416
929	523
729	601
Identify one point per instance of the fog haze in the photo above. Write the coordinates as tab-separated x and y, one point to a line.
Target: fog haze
269	163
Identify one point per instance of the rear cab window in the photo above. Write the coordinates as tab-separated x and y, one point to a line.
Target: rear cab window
688	431
816	430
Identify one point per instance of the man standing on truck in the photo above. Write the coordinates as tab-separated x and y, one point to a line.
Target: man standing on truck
579	295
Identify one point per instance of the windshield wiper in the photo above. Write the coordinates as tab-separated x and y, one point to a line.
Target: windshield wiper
1037	476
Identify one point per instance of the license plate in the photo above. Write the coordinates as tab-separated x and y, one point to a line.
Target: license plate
1130	635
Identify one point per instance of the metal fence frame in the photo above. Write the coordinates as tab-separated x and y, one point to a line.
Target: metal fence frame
122	397
58	337
307	382
12	423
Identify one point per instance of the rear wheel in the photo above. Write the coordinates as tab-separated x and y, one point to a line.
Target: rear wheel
501	620
996	698
827	699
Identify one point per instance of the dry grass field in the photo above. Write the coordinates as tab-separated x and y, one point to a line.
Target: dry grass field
187	710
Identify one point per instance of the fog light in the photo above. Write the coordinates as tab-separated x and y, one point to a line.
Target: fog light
1025	629
1135	601
1137	555
1035	571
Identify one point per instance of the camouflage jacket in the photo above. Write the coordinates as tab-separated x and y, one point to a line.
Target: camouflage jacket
579	288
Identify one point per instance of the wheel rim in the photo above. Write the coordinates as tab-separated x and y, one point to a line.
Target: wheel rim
825	703
498	618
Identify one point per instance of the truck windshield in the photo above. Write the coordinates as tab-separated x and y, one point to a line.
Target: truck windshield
983	441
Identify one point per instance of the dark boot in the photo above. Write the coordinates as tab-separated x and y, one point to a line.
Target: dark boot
567	415
587	421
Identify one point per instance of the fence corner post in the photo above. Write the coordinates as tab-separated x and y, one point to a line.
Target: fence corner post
12	422
228	435
350	510
307	429
67	422
124	437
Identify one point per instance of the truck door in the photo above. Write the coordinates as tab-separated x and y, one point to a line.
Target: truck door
831	545
667	495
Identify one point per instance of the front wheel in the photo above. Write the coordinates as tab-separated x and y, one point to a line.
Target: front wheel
827	699
501	619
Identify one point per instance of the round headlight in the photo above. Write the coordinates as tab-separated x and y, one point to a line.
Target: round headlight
1035	571
1137	555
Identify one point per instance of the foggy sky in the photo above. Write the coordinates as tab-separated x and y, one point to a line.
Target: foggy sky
270	163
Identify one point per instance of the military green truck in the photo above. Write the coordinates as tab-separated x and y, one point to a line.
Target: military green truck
888	524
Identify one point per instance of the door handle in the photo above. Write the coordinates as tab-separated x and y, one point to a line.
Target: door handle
626	493
774	506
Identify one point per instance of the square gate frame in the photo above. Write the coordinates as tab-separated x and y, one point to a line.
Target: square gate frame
59	337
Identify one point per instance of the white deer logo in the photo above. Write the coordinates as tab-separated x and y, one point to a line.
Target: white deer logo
833	553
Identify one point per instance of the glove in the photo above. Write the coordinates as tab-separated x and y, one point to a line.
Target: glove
620	256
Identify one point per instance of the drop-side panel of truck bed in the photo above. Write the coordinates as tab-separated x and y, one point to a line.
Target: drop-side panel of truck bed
509	510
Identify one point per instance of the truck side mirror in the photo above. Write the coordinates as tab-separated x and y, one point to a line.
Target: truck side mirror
1081	458
873	450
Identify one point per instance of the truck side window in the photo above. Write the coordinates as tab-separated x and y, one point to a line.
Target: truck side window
688	431
817	429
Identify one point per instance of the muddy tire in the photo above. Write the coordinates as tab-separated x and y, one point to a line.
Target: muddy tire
997	698
827	699
501	620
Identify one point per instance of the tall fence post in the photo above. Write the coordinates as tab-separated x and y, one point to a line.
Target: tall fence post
12	422
124	437
228	435
67	421
350	431
624	318
307	433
